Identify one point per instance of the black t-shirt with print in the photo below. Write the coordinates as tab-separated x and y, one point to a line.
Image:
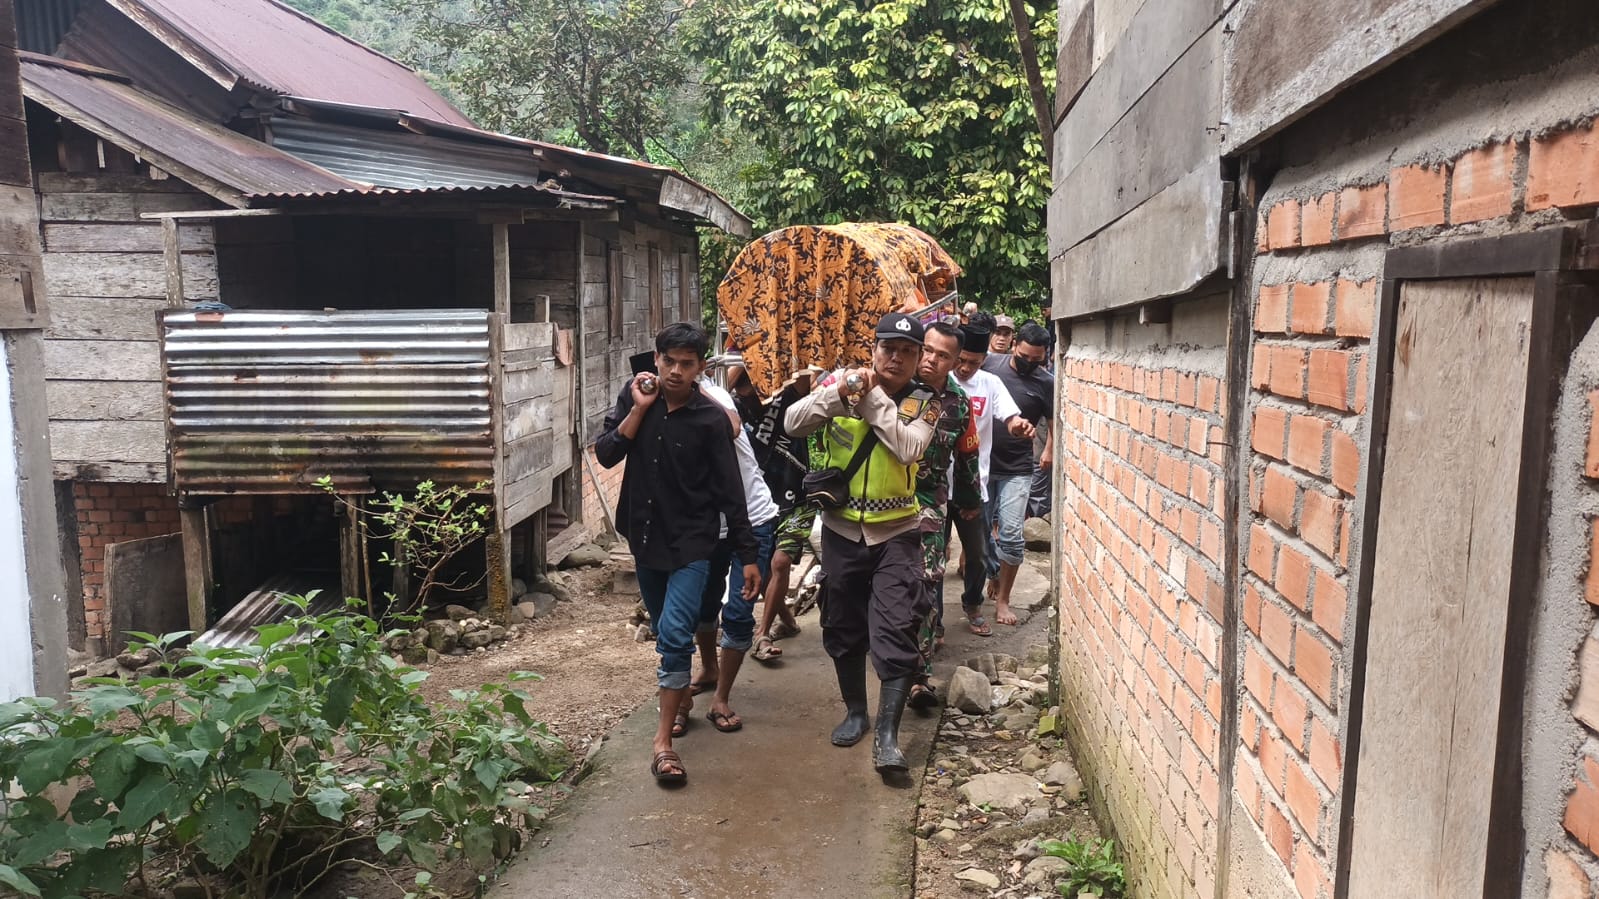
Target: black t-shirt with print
1035	396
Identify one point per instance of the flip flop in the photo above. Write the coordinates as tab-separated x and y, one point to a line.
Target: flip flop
658	766
723	723
979	626
701	686
922	697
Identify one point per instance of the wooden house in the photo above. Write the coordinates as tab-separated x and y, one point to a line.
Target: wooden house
265	271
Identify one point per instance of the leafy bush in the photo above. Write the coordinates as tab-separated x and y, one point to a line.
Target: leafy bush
428	528
266	765
1094	868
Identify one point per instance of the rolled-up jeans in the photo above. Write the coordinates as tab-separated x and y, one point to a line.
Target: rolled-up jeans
673	601
1008	508
738	614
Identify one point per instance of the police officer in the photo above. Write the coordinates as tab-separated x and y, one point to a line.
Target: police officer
872	596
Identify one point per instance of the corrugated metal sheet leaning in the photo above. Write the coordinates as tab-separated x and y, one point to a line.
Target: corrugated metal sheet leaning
268	402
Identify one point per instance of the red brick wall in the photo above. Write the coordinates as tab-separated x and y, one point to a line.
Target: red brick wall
1313	311
112	513
1308	393
610	486
1142	502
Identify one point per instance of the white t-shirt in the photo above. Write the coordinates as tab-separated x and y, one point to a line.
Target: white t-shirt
991	402
757	496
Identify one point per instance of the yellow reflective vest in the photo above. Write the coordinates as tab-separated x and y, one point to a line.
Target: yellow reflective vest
883	489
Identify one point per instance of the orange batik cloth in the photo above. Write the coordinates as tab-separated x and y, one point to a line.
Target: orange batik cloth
811	295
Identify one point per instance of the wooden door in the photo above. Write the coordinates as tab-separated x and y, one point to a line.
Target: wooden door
1432	748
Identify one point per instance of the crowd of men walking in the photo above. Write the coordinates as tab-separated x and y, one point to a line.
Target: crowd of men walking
719	497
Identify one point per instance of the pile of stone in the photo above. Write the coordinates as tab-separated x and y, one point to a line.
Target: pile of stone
458	630
1001	780
461	631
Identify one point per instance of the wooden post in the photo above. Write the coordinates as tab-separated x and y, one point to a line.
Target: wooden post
350	555
197	571
497	549
502	269
401	582
172	254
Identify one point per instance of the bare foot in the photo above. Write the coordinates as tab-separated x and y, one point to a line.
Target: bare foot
1003	615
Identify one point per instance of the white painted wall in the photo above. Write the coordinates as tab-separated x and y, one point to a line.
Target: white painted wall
16	635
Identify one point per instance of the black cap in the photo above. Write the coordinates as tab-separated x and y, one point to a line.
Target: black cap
899	326
975	340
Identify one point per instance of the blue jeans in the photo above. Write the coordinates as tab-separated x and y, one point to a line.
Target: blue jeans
673	601
1007	509
738	616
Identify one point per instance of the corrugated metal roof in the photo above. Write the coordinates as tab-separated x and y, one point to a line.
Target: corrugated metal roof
270	45
267	402
237	168
170	137
398	159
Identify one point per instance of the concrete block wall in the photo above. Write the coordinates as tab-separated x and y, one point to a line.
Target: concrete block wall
112	513
1142	500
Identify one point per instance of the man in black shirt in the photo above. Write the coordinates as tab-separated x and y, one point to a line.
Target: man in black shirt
1011	464
784	461
682	477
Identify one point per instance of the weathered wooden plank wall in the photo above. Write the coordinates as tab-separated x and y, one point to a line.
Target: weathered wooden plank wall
1284	59
535	443
103	266
607	350
1140	123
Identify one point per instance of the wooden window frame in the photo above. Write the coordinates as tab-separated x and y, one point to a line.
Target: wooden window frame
1563	262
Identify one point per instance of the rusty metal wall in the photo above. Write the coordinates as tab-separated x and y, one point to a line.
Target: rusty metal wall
267	402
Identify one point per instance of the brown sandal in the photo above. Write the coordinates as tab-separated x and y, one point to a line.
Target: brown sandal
766	650
664	760
724	723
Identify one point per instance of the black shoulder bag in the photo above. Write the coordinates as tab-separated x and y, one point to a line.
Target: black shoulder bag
829	487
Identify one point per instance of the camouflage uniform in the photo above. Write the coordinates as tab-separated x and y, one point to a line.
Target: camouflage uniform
954	441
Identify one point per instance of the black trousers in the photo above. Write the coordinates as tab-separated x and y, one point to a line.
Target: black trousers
873	600
974	536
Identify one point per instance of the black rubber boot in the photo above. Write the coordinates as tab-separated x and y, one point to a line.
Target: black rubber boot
885	744
851	672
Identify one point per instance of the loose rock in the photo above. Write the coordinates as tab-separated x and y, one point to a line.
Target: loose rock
980	877
518	588
585	556
1066	777
459	613
1032	760
969	691
476	640
998	790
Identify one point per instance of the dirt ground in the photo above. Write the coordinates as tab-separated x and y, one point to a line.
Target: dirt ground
595	673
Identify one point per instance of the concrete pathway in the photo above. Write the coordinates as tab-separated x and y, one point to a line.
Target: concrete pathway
772	810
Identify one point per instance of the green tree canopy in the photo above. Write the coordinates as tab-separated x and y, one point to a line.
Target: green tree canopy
601	75
899	110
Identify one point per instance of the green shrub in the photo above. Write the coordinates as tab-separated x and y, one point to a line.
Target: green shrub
264	766
1094	868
